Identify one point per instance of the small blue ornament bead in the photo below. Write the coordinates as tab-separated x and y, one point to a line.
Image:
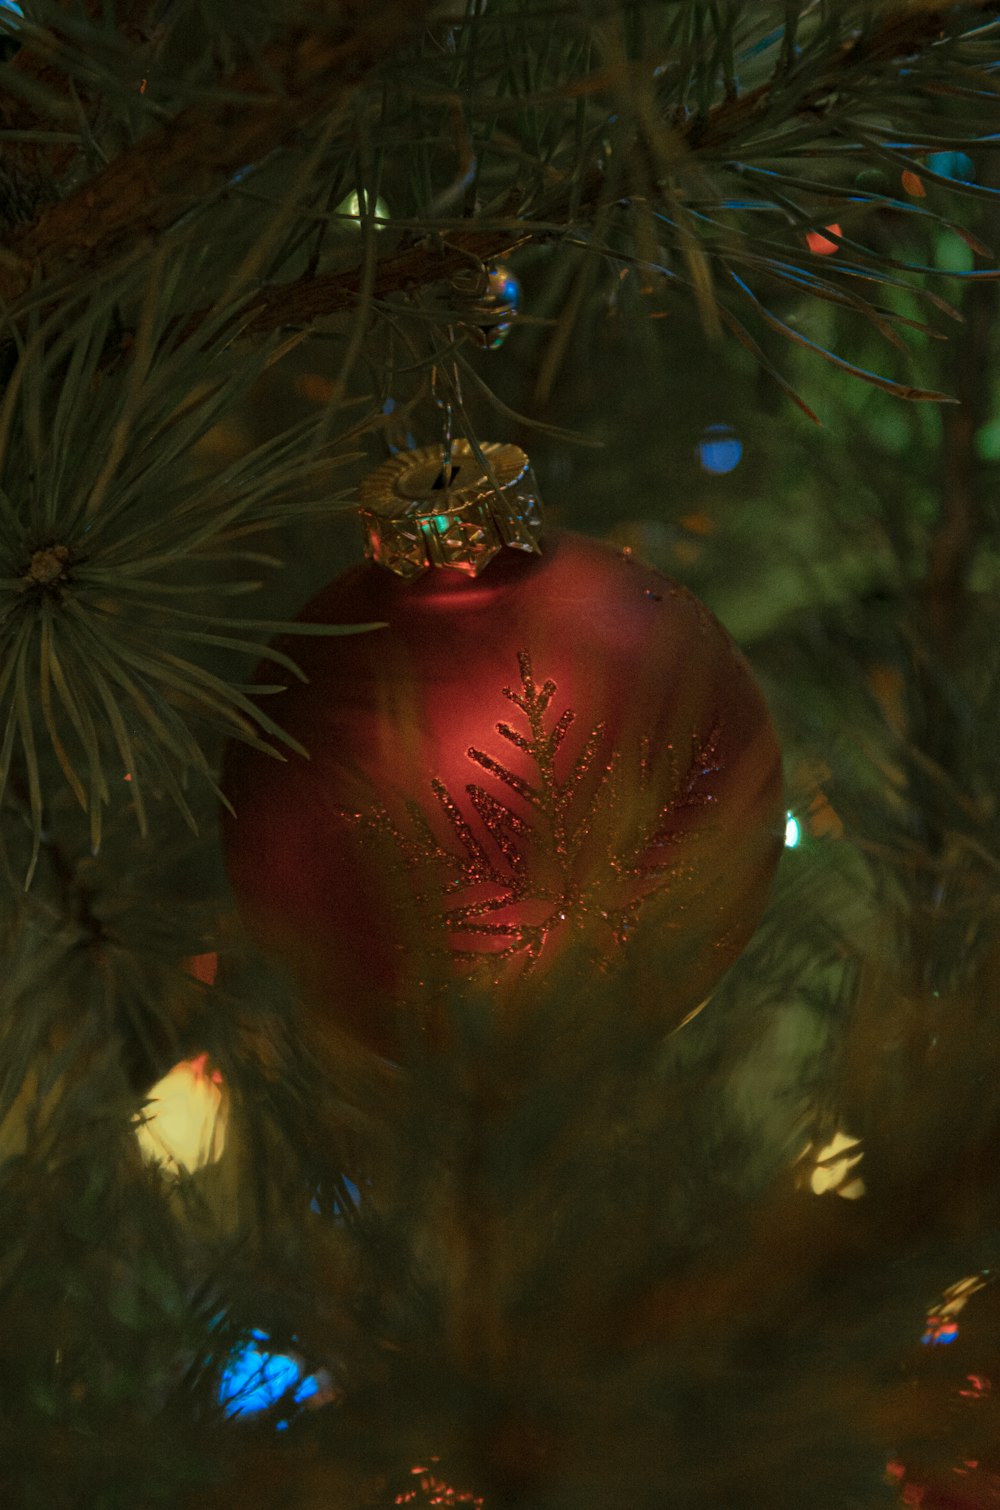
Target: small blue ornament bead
504	295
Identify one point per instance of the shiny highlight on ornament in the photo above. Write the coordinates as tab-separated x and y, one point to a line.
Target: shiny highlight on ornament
489	299
720	450
414	517
182	1126
503	297
494	923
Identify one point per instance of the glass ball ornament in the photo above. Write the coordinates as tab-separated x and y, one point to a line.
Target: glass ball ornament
489	299
503	296
546	745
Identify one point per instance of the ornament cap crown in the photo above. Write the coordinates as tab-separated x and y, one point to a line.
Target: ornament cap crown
414	517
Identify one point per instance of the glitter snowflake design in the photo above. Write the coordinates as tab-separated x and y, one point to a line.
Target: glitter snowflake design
544	853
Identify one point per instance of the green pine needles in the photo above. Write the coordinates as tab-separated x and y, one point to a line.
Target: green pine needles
244	244
183	231
107	536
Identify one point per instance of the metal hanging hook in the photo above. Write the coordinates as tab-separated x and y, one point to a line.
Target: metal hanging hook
446	402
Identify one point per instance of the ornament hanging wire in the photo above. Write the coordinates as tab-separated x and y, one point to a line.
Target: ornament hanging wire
490	293
456	503
446	402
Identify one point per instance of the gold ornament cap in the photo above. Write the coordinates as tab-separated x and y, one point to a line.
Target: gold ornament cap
414	517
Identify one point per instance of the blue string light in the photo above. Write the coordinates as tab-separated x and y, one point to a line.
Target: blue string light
719	449
940	1334
957	165
254	1380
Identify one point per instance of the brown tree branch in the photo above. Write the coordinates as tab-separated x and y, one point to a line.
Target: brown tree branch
146	189
142	192
412	267
39	99
902	32
41	57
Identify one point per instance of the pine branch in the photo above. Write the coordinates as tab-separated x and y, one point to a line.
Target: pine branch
419	265
954	542
146	189
46	104
899	35
902	33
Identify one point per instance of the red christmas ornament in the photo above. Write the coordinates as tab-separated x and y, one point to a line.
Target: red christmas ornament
539	754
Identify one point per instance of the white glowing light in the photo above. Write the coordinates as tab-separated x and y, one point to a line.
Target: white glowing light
792	832
941	1328
352	208
955	1296
833	1162
182	1126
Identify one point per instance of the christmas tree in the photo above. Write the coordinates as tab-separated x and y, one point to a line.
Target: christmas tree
441	1063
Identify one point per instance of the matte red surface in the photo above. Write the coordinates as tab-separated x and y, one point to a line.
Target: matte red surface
386	714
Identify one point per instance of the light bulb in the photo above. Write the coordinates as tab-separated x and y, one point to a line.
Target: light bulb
182	1126
351	209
